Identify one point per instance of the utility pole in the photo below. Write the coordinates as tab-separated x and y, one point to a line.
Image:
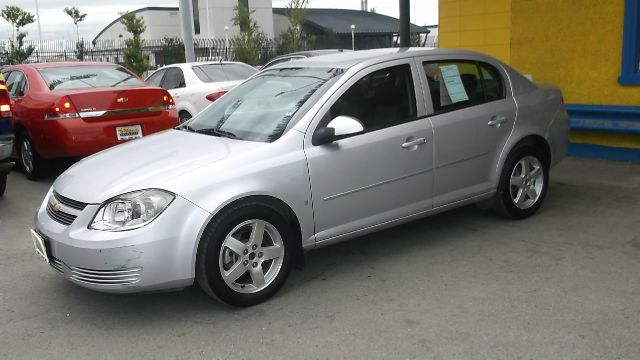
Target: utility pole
38	19
186	20
404	23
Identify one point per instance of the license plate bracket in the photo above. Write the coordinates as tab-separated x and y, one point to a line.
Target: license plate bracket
40	245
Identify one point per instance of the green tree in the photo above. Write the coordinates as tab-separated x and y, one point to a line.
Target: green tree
290	39
248	44
18	18
172	50
76	17
134	59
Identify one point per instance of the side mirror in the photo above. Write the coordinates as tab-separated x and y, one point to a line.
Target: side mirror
339	127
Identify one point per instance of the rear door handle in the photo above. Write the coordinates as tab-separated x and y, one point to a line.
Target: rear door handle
410	143
496	121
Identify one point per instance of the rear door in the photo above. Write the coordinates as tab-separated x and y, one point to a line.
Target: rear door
382	174
472	114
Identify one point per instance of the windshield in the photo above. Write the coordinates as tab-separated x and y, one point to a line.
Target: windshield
260	108
223	72
85	77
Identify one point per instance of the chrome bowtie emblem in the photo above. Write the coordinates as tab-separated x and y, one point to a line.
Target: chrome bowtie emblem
56	207
122	100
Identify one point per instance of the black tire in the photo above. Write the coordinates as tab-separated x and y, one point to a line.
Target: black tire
184	116
209	257
35	168
504	203
3	183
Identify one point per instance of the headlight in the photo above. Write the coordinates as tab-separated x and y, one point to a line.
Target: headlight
131	210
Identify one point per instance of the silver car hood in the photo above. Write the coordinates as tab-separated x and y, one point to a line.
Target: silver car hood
145	163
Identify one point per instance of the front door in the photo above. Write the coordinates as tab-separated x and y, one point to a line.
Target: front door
383	173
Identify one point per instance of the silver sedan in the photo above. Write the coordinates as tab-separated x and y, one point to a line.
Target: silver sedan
303	155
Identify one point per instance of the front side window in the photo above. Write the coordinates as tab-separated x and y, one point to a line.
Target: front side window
460	84
86	77
261	108
381	99
17	84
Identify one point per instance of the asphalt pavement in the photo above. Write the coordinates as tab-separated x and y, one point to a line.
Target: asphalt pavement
465	284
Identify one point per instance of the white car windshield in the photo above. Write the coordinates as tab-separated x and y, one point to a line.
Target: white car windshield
261	108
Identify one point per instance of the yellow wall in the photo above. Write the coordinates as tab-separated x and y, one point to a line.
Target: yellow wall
573	44
480	25
576	45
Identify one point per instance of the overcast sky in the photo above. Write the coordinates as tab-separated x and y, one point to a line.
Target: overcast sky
57	25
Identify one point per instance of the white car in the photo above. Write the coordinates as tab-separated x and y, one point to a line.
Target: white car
195	85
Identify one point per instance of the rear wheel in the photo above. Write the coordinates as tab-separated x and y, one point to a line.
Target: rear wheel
245	254
31	163
184	116
523	183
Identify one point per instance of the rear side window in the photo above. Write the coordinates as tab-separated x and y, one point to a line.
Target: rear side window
173	79
379	100
459	84
87	77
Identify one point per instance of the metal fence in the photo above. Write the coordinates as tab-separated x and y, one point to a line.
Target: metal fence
160	52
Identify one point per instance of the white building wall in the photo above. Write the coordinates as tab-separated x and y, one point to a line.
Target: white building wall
280	24
161	23
221	12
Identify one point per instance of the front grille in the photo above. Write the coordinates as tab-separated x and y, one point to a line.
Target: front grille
60	216
106	277
98	277
56	264
69	202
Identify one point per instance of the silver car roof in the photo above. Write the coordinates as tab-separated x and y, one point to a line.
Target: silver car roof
347	60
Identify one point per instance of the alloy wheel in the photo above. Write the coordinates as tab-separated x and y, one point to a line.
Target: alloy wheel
251	256
527	182
26	154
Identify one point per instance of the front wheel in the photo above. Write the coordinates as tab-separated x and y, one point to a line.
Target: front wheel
523	183
245	254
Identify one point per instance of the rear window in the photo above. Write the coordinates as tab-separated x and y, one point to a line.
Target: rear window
86	77
223	72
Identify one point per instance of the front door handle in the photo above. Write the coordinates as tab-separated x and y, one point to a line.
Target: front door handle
411	143
496	121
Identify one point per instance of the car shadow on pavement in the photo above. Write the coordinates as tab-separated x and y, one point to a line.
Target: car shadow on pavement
361	260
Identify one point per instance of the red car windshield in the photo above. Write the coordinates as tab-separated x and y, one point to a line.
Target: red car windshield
86	77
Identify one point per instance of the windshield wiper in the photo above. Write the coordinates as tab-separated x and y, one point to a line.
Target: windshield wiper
211	131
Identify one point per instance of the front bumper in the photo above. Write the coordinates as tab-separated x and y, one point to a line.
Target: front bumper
159	256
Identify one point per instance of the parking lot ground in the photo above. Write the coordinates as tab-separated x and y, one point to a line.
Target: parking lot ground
563	284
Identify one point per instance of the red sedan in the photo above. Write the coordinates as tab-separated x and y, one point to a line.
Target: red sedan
71	109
